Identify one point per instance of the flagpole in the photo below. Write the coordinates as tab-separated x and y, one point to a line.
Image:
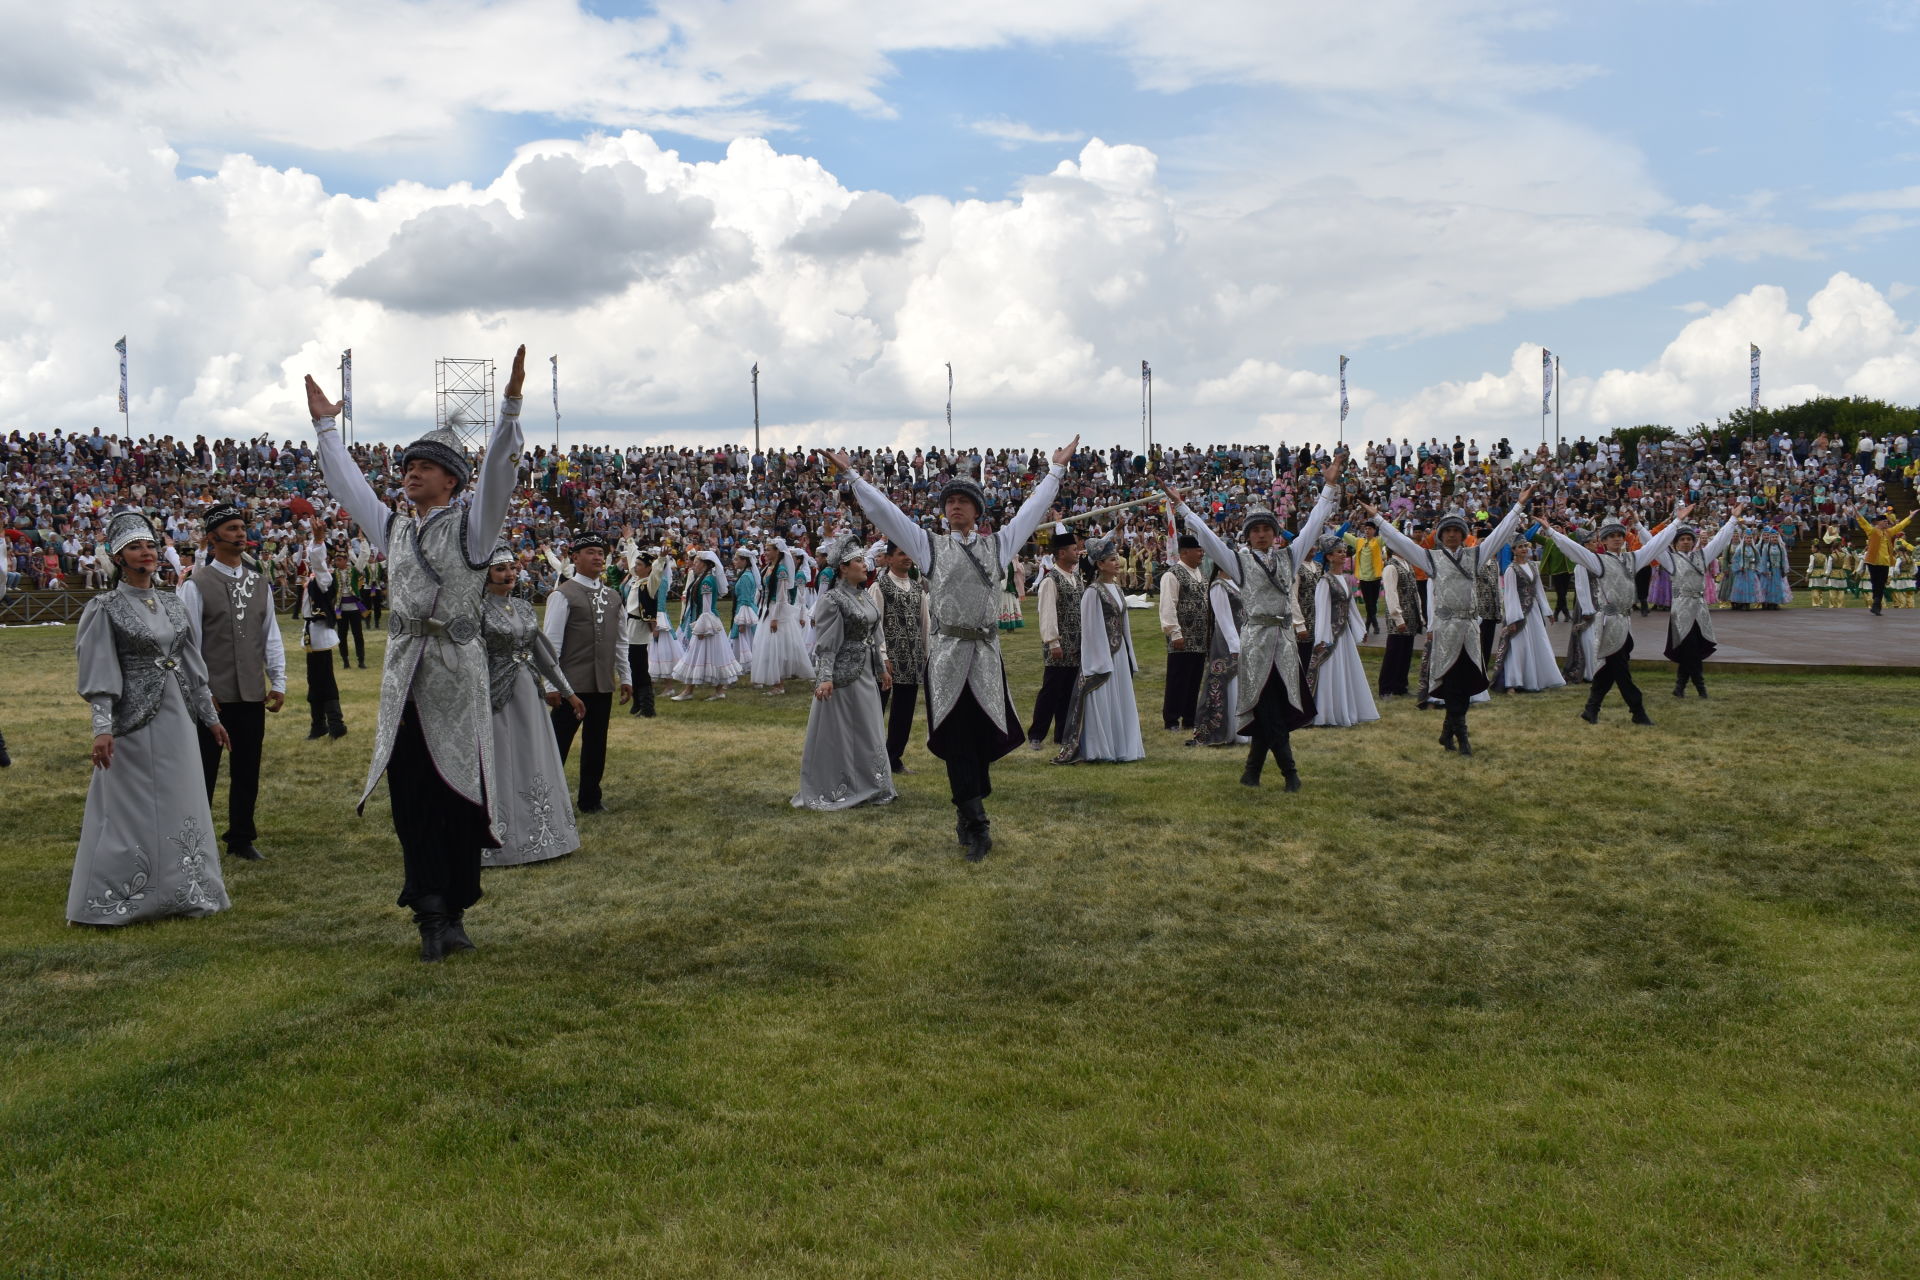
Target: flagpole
1556	408
555	361
1146	414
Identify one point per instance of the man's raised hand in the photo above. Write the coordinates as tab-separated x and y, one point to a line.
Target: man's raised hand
1334	466
317	403
518	381
1064	454
843	460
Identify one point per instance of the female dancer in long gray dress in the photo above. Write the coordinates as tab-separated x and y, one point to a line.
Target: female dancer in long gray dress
530	801
1103	721
845	760
146	842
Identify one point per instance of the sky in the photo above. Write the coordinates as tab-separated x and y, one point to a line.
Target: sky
854	193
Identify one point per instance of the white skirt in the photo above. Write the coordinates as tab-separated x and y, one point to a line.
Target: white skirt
1342	698
1531	664
708	657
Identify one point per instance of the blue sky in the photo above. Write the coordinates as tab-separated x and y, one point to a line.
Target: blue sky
1362	172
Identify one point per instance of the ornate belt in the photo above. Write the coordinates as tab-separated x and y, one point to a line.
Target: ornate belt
460	630
966	633
1456	615
1268	620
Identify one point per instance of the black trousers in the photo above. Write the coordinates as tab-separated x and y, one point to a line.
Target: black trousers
637	655
898	702
350	626
322	687
246	724
1182	696
1617	673
1562	588
593	745
1050	705
968	744
1274	717
1395	664
441	832
1370	593
1642	582
1877	575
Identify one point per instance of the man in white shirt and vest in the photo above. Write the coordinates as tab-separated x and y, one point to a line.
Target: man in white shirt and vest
230	609
1185	621
585	623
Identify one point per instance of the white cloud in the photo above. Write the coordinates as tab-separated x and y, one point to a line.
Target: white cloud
1014	133
1848	342
1900	198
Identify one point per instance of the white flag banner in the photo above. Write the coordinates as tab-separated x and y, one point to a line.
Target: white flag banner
346	384
1546	382
555	361
121	347
1343	389
1753	376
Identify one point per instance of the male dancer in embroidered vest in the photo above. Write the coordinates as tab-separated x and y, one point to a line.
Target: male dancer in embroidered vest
320	635
1453	642
637	594
434	737
1184	622
1405	620
1615	570
1690	640
907	627
583	624
1273	697
1059	609
230	609
972	715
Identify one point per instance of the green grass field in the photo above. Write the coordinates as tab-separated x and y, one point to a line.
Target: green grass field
1600	1001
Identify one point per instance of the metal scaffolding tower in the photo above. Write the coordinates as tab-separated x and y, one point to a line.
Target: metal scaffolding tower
463	399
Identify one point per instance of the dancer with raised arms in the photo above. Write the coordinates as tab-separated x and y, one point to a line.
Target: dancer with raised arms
973	719
1453	640
1690	639
434	740
1614	569
1273	697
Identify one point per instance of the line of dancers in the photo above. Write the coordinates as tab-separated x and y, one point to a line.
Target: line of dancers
480	703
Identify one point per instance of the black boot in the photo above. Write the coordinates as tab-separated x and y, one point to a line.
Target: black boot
336	722
1639	710
363	662
979	839
1447	731
643	700
1256	761
456	933
1700	684
431	915
1460	734
319	715
1591	712
6	761
1283	756
1680	685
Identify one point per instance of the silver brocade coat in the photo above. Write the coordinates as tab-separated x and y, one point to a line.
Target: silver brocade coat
1455	604
428	577
963	582
1613	596
1689	570
1266	641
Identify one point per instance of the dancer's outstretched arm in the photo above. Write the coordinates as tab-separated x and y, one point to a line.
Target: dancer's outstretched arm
1417	556
493	488
345	480
1654	546
1302	546
1038	503
1217	551
900	528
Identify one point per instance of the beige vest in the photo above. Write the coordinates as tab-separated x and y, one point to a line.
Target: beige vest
593	628
233	615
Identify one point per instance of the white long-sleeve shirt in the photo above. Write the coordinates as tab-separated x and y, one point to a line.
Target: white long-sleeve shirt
554	624
487	504
273	646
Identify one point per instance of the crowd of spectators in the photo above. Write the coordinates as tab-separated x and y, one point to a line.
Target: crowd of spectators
61	488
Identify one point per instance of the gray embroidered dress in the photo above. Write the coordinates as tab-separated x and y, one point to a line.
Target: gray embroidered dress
844	762
436	576
146	842
1267	647
532	812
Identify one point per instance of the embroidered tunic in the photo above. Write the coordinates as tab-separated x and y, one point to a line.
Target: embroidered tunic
1454	593
1689	570
1613	573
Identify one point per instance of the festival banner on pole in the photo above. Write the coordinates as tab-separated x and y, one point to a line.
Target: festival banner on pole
1343	391
555	361
1753	376
346	384
1546	382
121	347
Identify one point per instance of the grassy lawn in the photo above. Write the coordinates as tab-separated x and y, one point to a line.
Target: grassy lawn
1601	1001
